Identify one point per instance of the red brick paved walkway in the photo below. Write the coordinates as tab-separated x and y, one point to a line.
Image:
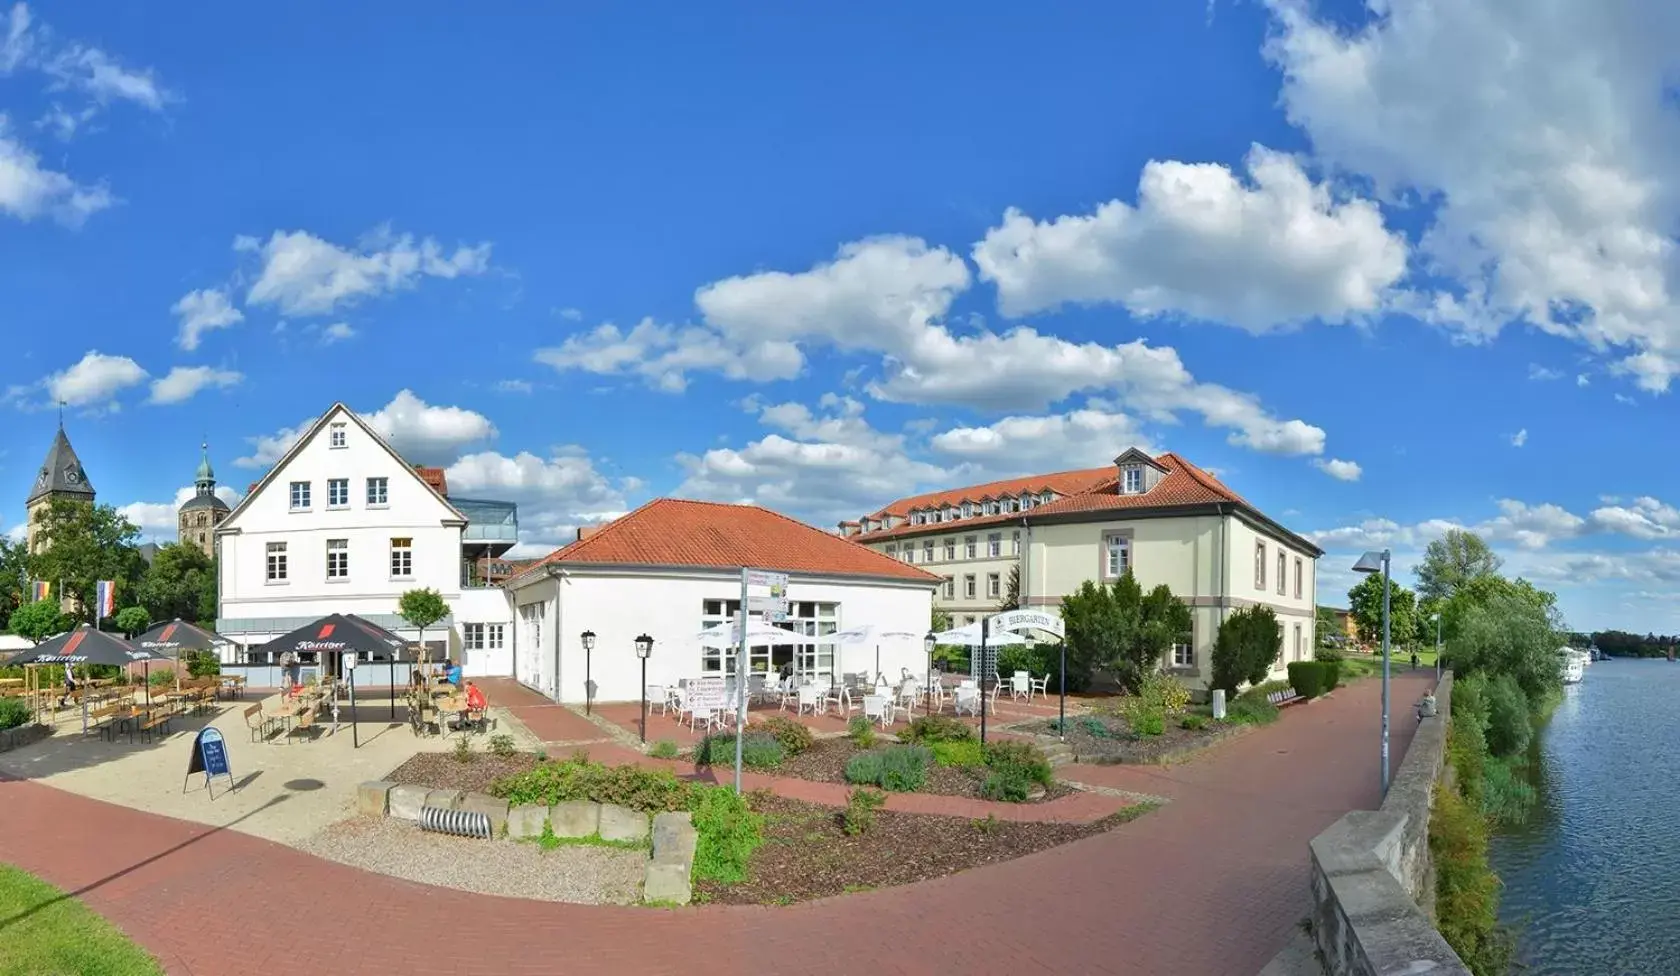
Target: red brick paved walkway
1207	886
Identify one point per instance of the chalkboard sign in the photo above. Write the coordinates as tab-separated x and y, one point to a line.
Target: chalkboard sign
209	756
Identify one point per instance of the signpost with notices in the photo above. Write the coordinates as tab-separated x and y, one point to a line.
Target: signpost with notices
762	592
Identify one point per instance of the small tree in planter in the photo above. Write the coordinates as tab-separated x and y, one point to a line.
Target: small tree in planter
422	608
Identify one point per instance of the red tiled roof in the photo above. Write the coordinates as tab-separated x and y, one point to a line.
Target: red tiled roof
435	478
678	532
1060	482
1183	484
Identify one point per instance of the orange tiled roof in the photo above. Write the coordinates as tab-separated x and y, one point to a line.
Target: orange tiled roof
435	478
678	532
1091	490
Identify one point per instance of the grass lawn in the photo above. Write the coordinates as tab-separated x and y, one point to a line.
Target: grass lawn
44	932
1399	662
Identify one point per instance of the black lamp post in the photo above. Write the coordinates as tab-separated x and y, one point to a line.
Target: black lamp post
928	643
644	647
588	672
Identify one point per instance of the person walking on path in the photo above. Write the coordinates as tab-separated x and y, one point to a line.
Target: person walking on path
1414	661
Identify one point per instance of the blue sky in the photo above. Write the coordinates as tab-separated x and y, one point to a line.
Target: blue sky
1380	279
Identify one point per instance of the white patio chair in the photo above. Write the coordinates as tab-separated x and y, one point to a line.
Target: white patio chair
840	697
992	696
936	697
967	699
878	708
674	700
1038	686
1020	685
810	697
908	693
657	698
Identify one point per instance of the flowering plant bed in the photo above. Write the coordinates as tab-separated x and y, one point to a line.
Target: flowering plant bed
809	852
1109	739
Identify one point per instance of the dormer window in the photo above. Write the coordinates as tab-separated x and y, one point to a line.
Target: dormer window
1026	502
967	509
1047	498
991	508
1009	505
950	513
1131	480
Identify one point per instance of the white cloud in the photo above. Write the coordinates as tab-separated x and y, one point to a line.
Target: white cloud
302	274
1339	469
100	76
1644	518
514	386
1581	379
184	382
337	332
555	495
887	296
1275	251
73	69
1019	445
1558	211
420	432
203	310
93	380
1543	373
1519	438
28	190
158	520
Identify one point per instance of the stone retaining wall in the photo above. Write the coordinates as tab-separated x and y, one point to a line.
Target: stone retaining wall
23	735
1373	880
667	879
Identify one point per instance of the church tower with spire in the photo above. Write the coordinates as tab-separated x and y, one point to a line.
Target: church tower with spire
61	476
200	514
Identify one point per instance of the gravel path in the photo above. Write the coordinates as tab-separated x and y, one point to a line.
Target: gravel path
576	873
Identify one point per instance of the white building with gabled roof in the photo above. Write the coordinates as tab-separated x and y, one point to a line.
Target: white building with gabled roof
344	524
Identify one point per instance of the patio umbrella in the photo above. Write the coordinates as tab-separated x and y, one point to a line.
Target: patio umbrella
866	635
333	634
174	639
85	645
395	643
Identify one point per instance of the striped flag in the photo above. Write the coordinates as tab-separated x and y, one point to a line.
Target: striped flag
42	590
105	597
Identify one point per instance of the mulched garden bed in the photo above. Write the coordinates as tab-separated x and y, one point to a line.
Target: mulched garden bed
807	854
826	760
442	771
1108	739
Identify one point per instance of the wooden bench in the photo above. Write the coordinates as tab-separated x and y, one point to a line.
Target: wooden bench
1284	697
154	721
305	722
103	720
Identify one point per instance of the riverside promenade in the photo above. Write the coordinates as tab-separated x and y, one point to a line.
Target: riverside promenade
1209	885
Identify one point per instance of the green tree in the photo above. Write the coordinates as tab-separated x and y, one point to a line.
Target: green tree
422	608
133	620
173	586
1248	645
1512	633
1162	621
39	620
1452	561
1325	626
1012	591
79	543
1095	627
14	576
1365	602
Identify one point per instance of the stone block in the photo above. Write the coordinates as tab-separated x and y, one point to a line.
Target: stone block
374	798
666	884
496	810
623	823
674	839
575	818
405	801
445	799
526	822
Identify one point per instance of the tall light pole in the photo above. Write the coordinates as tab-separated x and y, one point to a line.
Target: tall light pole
588	671
928	644
644	647
1371	562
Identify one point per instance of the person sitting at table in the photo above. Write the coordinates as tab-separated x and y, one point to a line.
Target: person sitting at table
452	674
475	698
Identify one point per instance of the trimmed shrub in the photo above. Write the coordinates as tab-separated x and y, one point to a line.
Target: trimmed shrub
729	832
202	664
861	731
1015	756
13	712
904	768
1145	717
160	677
1252	708
1312	678
1328	654
968	754
936	728
649	790
1193	722
864	769
794	737
861	804
1164	692
758	751
1009	785
664	749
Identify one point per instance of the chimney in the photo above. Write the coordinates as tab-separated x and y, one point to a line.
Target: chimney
585	531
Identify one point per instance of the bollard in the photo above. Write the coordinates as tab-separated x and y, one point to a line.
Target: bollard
461	823
1219	703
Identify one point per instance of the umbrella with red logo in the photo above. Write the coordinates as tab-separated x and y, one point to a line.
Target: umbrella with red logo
176	638
85	645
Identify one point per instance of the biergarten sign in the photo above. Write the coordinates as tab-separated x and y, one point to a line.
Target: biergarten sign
1015	620
209	756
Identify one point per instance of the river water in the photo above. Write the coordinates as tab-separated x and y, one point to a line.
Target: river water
1592	880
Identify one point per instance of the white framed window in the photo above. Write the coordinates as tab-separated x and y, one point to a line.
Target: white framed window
402	558
991	508
994	544
378	492
967	509
892	552
1260	565
804	617
1282	571
1132	479
909	552
1010	505
335	435
950	550
1015	543
300	496
1298	576
482	637
968	586
917	518
1117	555
927	551
338	492
338	559
994	585
1047	498
950	588
1184	654
276	568
1026	502
969	548
950	513
1298	656
969	621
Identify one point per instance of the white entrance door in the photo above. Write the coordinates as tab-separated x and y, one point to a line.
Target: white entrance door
531	671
